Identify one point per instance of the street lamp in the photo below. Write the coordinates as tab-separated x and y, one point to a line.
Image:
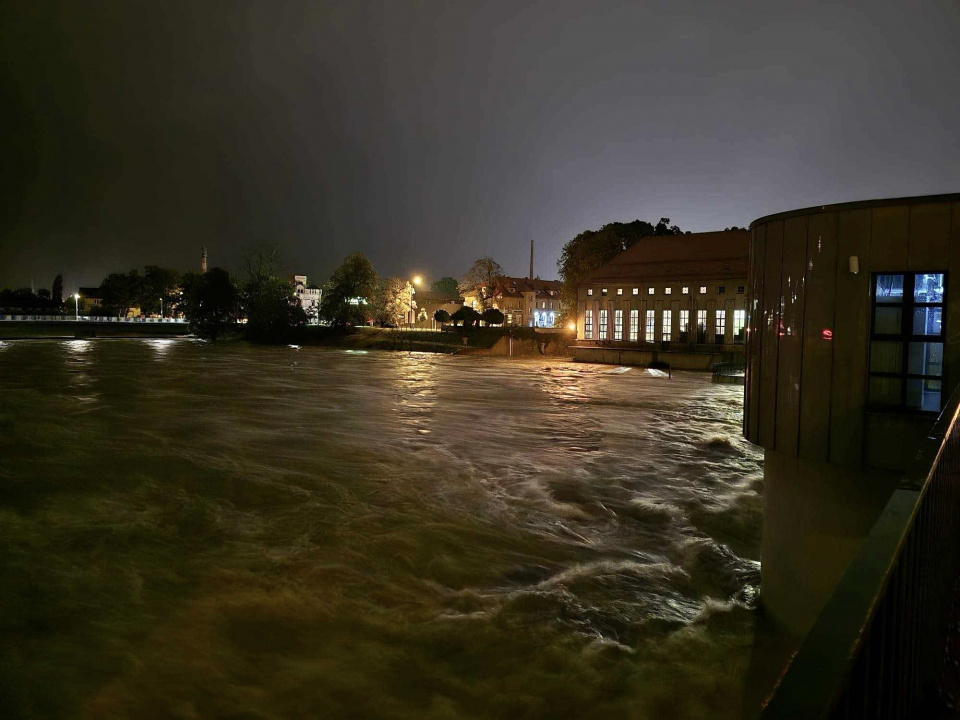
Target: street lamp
76	305
417	280
161	308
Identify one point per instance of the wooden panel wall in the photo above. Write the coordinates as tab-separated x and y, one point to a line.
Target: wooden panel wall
815	383
889	238
951	359
929	243
754	336
850	335
806	393
789	356
770	320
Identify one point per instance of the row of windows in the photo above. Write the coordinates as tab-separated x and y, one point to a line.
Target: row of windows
666	324
684	290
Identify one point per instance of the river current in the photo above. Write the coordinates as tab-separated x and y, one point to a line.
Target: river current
194	530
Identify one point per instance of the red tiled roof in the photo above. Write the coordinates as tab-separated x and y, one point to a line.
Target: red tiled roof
709	255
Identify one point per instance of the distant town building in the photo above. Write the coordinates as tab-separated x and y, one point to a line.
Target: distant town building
309	296
677	293
90	301
523	301
428	302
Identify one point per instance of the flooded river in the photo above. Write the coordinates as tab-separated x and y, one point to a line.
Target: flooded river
191	530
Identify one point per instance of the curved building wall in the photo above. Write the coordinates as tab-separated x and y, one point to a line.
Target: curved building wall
830	459
810	321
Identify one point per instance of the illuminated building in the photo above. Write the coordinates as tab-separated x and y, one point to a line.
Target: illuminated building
681	294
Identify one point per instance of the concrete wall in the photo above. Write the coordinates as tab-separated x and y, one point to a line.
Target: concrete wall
677	360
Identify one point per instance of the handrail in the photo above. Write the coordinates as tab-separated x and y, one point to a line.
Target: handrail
873	649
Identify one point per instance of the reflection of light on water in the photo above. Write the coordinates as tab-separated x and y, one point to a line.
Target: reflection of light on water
76	349
161	346
4	345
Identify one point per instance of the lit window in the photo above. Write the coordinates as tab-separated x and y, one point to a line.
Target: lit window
651	321
588	325
666	326
701	326
684	322
589	291
739	322
650	291
703	289
906	341
619	291
721	327
636	291
603	325
721	290
739	289
634	324
618	324
685	290
543	305
668	291
603	292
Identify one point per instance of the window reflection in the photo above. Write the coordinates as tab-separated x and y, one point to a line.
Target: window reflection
928	288
889	288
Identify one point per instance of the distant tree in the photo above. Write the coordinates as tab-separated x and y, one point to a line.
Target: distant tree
480	278
392	301
121	292
272	310
591	249
445	285
352	287
43	294
267	298
492	316
158	282
465	316
211	303
441	315
56	291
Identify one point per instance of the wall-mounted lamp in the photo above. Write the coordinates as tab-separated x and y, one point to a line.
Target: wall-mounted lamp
854	265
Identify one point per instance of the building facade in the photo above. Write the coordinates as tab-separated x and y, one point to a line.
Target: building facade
852	351
673	293
427	302
523	301
309	296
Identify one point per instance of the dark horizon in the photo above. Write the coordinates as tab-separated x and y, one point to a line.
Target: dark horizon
426	136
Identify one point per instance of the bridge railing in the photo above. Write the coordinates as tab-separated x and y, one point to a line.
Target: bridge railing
86	318
876	650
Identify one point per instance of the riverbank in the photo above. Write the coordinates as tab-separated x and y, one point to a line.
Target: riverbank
516	342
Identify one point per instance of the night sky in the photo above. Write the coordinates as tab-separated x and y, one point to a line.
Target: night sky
427	134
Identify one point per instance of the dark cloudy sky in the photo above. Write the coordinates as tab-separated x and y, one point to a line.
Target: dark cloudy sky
427	134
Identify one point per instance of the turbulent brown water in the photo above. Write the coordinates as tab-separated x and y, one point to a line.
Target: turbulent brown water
191	530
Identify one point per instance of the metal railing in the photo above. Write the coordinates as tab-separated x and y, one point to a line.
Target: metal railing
87	318
876	649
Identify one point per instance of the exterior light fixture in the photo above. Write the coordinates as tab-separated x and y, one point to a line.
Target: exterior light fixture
854	265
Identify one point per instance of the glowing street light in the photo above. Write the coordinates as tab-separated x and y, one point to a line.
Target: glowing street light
76	305
571	326
161	308
417	280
